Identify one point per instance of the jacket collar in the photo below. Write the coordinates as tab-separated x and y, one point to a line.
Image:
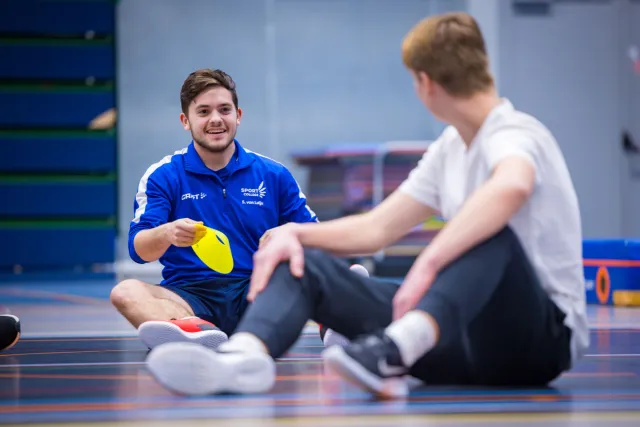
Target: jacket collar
240	160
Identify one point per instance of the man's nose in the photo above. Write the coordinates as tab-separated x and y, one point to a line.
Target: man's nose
215	118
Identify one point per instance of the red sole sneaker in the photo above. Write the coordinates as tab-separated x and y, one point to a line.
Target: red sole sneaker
155	333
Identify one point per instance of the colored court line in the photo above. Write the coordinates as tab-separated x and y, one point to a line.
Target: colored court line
297	401
377	421
632	355
63	352
610	263
462	396
54	296
308	377
599	374
118	377
87	364
70	365
82	339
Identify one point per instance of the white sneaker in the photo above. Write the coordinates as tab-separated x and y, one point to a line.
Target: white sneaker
331	337
190	369
189	329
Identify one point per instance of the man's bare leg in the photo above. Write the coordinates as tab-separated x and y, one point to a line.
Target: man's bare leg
150	309
140	302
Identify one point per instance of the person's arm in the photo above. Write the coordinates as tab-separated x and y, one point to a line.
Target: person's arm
293	202
368	232
149	245
147	238
513	160
416	200
485	213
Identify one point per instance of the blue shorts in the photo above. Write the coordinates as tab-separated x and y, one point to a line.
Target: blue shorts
219	301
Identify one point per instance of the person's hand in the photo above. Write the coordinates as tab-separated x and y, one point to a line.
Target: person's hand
413	288
183	232
281	245
265	237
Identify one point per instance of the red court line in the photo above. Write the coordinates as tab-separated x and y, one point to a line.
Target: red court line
63	352
80	339
611	263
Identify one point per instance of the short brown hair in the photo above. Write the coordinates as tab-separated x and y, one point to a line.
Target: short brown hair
200	80
450	49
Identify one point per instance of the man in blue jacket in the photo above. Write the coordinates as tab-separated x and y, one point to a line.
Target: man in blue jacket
213	188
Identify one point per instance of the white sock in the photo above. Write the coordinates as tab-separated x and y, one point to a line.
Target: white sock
414	335
243	342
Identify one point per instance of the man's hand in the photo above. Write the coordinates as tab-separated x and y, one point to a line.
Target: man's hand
282	245
182	232
265	237
413	288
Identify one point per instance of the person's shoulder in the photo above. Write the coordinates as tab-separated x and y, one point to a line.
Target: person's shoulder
168	166
518	121
447	139
266	163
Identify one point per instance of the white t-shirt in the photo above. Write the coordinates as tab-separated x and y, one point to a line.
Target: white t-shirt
548	225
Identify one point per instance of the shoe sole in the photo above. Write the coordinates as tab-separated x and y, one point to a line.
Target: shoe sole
331	338
338	361
156	333
190	369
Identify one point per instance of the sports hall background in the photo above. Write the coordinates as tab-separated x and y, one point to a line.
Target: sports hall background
310	74
323	91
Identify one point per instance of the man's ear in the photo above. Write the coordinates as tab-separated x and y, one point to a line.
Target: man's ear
185	121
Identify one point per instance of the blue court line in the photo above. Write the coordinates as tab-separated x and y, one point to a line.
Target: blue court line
515	394
375	408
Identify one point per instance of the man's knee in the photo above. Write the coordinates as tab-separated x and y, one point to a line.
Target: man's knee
316	263
316	257
125	293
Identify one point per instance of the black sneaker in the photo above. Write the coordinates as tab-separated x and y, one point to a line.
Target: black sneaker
9	331
371	362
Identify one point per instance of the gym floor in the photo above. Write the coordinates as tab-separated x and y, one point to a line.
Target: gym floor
80	362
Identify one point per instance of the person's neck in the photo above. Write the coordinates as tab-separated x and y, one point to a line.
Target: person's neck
468	115
216	161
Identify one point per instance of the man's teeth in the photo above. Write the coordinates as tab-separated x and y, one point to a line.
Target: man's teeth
215	131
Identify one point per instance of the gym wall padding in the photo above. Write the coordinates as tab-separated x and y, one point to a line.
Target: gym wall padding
612	271
58	178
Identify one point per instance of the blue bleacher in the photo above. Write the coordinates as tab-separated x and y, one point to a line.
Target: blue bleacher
58	179
53	107
54	197
42	59
57	17
93	152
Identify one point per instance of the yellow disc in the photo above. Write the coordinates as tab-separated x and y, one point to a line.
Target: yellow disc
213	249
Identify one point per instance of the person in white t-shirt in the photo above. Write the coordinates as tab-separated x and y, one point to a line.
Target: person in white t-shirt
496	299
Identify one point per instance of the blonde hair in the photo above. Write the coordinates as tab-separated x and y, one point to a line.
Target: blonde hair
450	49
